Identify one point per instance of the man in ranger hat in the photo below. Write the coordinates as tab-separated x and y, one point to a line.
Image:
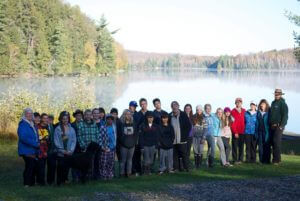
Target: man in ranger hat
278	120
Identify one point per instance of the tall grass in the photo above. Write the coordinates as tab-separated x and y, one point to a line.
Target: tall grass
14	100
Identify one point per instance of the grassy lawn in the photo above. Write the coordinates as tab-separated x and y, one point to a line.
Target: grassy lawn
11	167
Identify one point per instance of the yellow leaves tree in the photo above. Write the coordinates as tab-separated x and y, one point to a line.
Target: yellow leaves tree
90	56
121	56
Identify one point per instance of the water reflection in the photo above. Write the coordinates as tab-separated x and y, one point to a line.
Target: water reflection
185	85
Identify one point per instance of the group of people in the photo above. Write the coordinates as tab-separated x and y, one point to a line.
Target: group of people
138	138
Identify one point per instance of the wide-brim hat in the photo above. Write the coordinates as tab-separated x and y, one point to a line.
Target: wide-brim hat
278	91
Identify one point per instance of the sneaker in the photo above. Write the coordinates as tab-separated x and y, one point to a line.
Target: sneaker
171	172
160	173
276	164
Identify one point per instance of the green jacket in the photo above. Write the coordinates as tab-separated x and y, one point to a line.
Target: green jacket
51	146
279	113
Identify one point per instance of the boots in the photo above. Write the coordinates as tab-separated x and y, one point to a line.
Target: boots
210	161
200	159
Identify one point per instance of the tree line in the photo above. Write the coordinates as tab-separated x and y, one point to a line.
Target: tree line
52	37
274	59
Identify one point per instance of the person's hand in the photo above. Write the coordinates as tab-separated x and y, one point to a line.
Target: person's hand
236	135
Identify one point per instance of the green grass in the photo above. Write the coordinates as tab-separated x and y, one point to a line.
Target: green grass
11	167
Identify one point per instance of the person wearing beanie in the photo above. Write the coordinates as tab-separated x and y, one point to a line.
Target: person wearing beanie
227	121
238	130
250	141
217	124
132	107
117	129
166	140
148	139
198	135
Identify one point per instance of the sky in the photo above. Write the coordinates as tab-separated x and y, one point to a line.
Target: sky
199	27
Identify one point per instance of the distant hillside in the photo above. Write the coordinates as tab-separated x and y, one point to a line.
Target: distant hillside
274	59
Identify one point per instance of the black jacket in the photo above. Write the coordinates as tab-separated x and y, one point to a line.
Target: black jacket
166	137
149	136
128	135
139	118
185	125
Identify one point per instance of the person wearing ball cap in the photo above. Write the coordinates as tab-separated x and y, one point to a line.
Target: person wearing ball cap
278	119
238	129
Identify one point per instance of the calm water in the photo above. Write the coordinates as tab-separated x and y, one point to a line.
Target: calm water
186	86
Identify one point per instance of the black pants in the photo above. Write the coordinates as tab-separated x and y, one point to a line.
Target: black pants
276	135
136	160
227	147
188	150
40	171
238	148
28	174
250	142
180	153
51	168
62	170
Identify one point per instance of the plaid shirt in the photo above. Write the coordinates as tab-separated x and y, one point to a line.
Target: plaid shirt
87	133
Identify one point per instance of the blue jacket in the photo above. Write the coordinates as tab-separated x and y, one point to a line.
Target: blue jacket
210	124
266	135
217	128
250	121
28	143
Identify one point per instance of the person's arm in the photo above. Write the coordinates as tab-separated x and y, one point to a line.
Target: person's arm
58	141
73	140
172	133
141	137
25	138
80	139
284	117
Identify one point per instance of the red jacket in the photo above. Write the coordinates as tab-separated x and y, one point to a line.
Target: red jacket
238	126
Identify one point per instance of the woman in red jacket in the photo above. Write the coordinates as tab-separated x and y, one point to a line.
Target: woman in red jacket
238	129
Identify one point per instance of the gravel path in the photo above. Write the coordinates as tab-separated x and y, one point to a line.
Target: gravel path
284	188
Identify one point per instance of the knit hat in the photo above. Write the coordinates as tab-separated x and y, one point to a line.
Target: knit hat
227	109
253	103
149	114
109	116
114	110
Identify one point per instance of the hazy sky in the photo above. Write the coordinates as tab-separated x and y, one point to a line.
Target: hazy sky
202	27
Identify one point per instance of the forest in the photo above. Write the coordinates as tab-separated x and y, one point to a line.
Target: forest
55	38
274	59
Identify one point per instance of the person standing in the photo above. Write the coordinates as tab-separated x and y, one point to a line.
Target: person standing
128	138
226	132
132	107
209	135
88	131
189	112
278	120
139	119
157	111
238	130
43	132
107	143
262	132
51	160
65	142
198	135
166	140
250	140
148	138
182	127
28	146
217	134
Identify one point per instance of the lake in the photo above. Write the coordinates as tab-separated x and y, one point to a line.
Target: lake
194	86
